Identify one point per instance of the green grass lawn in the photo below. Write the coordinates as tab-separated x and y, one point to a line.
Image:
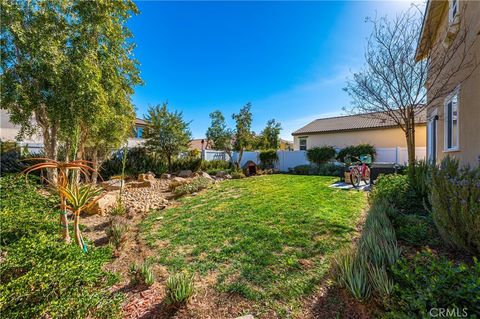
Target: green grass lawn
267	238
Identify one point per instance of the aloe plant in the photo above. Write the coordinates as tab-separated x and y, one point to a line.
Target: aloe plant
80	166
80	197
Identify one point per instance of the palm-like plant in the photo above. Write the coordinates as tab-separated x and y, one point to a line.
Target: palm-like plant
63	168
79	197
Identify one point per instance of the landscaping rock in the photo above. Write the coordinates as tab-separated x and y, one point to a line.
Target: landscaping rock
205	175
221	174
146	183
185	173
146	177
104	204
228	176
166	176
177	181
112	185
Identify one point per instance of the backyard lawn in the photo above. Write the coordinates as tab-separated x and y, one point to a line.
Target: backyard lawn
269	239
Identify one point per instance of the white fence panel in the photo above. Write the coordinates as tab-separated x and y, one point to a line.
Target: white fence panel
211	155
248	156
290	159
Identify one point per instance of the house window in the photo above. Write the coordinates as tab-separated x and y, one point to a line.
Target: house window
303	143
139	132
451	122
453	9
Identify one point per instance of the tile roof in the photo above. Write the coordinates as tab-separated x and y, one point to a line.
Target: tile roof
353	122
140	122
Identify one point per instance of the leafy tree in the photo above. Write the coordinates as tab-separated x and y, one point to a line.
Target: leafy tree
66	65
270	136
320	155
218	135
392	86
243	136
166	133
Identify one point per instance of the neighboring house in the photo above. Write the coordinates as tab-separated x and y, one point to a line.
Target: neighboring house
374	128
454	122
9	132
199	144
286	145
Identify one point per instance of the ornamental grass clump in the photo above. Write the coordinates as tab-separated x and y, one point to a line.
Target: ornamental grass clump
180	288
455	200
352	273
117	232
142	274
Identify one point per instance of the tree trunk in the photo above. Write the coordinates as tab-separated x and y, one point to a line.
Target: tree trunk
239	159
76	231
51	150
95	166
169	160
64	221
410	134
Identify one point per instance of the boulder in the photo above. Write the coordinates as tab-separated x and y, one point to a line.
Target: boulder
142	184
112	185
185	173
166	176
205	175
228	176
146	177
177	181
221	174
103	205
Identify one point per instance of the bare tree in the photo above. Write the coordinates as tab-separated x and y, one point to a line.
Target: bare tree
396	81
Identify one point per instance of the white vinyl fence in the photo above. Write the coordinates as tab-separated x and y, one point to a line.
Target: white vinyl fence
289	159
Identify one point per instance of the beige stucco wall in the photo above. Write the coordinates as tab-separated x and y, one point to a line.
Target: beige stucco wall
469	95
385	137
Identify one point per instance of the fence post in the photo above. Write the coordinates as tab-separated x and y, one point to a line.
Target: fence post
396	155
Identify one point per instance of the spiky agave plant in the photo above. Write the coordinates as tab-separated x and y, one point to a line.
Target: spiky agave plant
80	197
63	168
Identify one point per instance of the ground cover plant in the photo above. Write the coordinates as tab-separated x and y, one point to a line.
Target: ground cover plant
40	275
268	239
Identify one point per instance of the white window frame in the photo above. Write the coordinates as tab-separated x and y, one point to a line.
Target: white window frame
300	139
449	98
451	16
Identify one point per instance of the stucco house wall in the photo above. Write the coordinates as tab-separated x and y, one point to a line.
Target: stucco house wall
468	86
381	137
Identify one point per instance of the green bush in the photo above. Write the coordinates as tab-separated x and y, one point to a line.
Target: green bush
356	151
304	170
455	199
116	232
42	277
218	165
12	162
414	229
419	177
138	161
428	281
320	155
188	163
268	158
238	175
195	185
180	288
142	274
214	171
330	169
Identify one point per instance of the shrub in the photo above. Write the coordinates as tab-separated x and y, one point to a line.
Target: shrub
188	163
455	199
11	162
138	161
119	209
238	175
215	165
195	185
142	274
304	170
419	177
356	151
116	232
319	155
214	171
180	288
268	158
428	281
381	283
330	169
414	229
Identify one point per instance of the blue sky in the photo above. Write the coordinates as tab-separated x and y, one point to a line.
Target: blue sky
289	59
